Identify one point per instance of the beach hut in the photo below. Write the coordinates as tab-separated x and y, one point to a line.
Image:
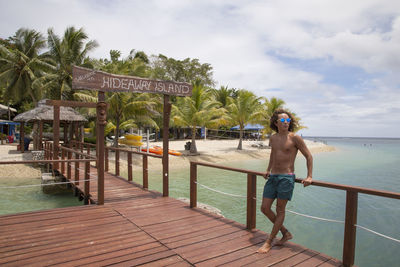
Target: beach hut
254	129
69	118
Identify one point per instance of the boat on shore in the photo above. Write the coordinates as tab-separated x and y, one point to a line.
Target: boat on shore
159	151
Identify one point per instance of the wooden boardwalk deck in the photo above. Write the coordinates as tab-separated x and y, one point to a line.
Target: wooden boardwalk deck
139	227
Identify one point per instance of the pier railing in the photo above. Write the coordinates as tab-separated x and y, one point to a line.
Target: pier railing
349	242
49	159
74	157
129	154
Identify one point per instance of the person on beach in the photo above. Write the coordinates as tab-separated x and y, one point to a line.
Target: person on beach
280	174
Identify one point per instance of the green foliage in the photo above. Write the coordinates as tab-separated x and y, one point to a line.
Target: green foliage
91	140
21	66
201	109
187	70
243	109
68	51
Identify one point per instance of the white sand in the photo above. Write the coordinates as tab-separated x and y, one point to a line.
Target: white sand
217	151
10	153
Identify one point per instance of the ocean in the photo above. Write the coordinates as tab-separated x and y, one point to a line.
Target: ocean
366	162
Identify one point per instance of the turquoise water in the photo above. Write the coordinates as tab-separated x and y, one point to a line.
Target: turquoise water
21	199
371	163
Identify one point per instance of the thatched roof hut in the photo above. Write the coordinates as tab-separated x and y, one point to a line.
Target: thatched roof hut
45	113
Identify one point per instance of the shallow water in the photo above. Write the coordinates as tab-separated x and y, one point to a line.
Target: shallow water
21	199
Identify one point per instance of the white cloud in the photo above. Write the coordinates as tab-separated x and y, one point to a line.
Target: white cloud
241	41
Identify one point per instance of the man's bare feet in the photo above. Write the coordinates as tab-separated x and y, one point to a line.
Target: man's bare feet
266	247
286	236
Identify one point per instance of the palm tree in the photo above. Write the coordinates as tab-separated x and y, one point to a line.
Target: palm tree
127	110
244	109
201	109
21	65
223	94
269	108
133	65
71	50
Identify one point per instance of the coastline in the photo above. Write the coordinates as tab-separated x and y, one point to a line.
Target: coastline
213	151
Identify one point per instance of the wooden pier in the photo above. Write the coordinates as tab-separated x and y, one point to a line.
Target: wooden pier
139	227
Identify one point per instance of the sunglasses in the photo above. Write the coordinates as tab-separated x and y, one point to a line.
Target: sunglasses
283	120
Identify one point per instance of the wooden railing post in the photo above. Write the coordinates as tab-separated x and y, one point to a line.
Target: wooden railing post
76	169
251	201
101	123
45	150
349	243
106	159
63	163
69	155
117	162
130	166
87	183
145	172
193	185
51	151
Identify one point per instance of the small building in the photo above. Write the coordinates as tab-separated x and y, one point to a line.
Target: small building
70	120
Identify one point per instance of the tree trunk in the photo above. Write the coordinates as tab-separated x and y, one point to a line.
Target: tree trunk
193	148
240	139
116	134
35	135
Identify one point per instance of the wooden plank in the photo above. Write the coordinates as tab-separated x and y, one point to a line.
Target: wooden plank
73	104
282	253
119	255
228	257
330	263
89	79
77	250
173	260
314	261
296	259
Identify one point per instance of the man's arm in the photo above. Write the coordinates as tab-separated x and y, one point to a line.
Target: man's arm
270	164
307	154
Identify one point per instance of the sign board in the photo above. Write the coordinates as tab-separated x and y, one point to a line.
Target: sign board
89	79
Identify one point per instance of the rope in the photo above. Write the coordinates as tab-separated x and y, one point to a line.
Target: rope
382	235
34	185
305	215
297	213
215	190
314	217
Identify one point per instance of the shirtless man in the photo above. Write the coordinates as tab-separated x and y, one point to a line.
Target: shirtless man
280	173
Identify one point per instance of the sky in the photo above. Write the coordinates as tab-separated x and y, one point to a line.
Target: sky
336	64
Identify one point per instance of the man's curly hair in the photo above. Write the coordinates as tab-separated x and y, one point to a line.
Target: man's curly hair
274	118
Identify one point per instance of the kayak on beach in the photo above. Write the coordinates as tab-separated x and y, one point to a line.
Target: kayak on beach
159	151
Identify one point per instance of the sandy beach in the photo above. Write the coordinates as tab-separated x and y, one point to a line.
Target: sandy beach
10	153
213	151
216	151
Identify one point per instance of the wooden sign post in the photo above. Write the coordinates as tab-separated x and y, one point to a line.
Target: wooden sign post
88	79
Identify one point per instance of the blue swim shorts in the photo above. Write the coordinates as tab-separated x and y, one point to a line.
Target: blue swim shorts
279	186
